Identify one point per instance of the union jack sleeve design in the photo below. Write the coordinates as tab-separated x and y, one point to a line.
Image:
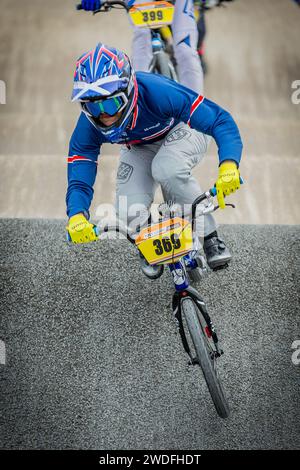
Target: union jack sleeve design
194	106
80	158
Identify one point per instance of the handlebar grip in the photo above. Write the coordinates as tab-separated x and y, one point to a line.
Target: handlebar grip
96	230
79	6
213	191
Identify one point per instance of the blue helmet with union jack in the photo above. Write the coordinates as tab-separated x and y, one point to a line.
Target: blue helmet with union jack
105	83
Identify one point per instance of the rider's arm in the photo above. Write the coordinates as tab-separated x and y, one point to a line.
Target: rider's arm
82	167
209	118
167	99
175	100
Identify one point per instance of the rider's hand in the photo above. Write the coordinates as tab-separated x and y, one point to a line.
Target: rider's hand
228	181
91	5
81	230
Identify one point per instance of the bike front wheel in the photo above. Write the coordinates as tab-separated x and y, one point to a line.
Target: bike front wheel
205	354
163	66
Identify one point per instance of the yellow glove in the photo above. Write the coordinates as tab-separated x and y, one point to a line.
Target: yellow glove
228	181
80	230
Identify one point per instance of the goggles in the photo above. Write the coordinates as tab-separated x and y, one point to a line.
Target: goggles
110	106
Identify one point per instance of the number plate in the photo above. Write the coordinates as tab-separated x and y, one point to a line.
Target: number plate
165	242
152	14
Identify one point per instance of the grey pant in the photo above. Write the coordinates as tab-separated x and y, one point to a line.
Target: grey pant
185	35
167	163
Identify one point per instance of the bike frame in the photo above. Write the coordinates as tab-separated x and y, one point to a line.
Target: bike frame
181	281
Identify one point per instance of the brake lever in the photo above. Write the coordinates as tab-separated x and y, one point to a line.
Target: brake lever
230	205
105	9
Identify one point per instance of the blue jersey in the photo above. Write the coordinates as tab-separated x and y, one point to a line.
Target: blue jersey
162	103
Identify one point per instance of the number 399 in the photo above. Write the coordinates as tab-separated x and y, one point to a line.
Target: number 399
152	15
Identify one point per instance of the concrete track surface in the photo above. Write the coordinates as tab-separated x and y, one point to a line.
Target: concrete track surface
252	50
94	360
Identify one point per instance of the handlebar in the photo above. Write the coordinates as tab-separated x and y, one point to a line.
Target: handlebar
127	232
106	6
110	4
207	195
116	228
210	193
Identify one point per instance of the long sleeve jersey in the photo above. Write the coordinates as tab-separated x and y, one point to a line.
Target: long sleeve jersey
162	104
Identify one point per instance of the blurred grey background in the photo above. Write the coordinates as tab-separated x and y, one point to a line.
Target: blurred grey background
252	50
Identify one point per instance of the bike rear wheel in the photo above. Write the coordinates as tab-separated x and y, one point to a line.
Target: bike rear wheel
205	355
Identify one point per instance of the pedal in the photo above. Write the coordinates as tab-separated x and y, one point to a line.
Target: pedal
218	353
193	361
222	266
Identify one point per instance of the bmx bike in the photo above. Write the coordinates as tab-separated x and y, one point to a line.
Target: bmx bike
168	242
153	15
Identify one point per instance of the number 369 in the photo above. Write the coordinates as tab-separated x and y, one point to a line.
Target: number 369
166	244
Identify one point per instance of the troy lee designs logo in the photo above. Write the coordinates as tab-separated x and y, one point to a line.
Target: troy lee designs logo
177	134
